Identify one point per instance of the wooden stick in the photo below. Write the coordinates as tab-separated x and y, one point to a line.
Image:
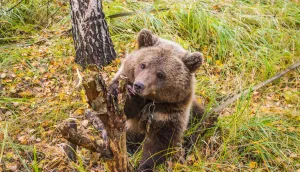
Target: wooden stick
74	137
70	148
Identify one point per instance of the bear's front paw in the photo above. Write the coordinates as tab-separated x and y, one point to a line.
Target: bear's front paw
130	90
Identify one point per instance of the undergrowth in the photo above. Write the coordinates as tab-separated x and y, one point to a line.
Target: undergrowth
19	21
244	43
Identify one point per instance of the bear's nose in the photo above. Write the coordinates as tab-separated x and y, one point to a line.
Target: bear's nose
138	86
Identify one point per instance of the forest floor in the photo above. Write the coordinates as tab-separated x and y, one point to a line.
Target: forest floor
244	43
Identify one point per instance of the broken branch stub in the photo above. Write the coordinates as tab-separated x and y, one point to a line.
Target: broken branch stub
70	148
109	109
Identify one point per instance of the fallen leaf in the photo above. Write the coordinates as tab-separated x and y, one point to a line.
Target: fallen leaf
26	94
293	155
291	129
253	164
11	166
23	139
8	113
219	63
3	75
190	158
42	70
27	78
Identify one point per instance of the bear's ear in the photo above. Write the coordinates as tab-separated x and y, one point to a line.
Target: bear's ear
193	61
146	38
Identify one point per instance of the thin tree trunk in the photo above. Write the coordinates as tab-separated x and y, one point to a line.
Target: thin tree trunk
90	33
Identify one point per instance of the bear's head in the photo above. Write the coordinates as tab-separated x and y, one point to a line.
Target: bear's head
163	70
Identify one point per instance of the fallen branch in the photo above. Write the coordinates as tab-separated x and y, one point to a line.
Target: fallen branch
70	148
70	133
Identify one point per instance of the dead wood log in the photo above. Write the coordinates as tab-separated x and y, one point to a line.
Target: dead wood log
70	133
70	148
109	109
107	116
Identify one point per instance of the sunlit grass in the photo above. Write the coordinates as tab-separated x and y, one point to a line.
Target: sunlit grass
25	19
244	43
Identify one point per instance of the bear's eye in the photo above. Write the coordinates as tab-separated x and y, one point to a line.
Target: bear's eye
160	75
143	66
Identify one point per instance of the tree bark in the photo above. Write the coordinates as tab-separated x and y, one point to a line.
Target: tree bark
69	131
109	109
93	44
107	112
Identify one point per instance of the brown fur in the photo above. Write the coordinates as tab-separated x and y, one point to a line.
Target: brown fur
165	72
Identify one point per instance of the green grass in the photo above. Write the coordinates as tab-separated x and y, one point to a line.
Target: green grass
259	138
28	17
244	43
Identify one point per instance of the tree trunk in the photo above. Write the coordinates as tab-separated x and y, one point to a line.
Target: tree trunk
94	46
90	34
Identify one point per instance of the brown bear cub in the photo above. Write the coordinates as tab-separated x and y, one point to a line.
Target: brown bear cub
161	86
